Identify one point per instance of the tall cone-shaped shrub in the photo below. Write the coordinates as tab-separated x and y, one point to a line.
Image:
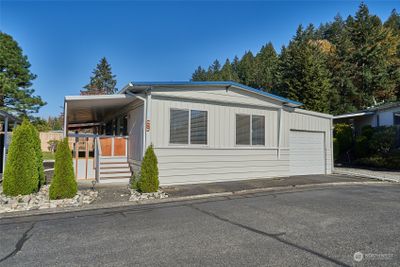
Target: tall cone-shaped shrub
63	184
21	171
149	172
39	156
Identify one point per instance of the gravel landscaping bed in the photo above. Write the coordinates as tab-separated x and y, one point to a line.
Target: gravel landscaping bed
137	196
40	200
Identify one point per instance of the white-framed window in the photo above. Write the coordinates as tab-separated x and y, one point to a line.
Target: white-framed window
396	118
250	130
188	127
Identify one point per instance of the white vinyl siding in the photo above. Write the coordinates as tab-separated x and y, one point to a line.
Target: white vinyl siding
221	159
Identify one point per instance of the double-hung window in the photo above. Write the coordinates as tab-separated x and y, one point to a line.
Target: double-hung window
250	130
188	127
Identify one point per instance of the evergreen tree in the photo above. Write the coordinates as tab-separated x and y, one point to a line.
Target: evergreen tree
63	184
102	81
393	24
21	175
369	58
200	74
213	73
227	72
246	69
16	94
266	68
38	152
148	181
305	77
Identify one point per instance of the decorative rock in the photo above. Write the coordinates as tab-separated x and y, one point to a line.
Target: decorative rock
137	196
40	200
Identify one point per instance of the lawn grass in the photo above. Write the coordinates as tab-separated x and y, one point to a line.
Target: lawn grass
48	155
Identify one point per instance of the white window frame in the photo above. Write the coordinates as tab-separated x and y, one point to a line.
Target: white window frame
251	130
189	128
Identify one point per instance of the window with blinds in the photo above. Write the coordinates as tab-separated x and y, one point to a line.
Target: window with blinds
257	130
250	130
179	126
182	127
242	129
198	127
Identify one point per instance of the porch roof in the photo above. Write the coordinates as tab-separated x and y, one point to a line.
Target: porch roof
92	109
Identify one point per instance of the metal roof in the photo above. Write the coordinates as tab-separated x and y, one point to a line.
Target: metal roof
369	111
211	83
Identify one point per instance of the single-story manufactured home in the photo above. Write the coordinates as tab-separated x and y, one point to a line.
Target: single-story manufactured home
201	132
387	114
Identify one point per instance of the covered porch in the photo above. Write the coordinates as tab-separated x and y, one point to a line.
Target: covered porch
102	136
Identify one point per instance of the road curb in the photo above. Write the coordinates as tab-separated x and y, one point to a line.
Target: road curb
178	199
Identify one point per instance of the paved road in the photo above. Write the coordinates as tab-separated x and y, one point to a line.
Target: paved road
320	226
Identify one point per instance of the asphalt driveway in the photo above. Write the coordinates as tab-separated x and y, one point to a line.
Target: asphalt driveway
322	226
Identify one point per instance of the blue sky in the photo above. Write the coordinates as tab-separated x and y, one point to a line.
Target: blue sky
151	41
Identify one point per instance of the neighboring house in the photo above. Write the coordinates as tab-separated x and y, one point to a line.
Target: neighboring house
387	114
201	132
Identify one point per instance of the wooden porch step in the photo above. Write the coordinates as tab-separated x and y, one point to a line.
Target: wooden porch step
109	172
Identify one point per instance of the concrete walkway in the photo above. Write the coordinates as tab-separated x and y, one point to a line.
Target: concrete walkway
381	175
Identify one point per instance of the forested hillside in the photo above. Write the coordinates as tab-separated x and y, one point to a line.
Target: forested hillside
340	66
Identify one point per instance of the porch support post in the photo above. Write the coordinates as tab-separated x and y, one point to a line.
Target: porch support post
5	145
65	119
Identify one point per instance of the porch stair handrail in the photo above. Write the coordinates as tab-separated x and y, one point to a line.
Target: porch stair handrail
97	149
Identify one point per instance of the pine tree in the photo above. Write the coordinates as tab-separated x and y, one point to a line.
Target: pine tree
246	69
21	175
266	67
63	184
16	94
305	77
393	24
102	81
369	59
213	73
227	72
199	74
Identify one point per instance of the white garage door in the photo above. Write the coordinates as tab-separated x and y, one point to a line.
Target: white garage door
306	153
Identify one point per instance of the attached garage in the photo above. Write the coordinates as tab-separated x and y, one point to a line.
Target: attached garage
307	152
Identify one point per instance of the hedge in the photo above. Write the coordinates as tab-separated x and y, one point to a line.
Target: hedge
148	181
63	184
21	175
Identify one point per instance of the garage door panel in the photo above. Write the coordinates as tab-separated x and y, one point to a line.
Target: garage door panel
306	153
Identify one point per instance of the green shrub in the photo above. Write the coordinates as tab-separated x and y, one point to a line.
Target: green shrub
367	131
21	175
336	149
39	156
63	184
361	146
149	172
390	162
344	135
383	140
135	180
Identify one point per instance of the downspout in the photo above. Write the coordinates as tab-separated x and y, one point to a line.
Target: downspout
279	132
144	123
